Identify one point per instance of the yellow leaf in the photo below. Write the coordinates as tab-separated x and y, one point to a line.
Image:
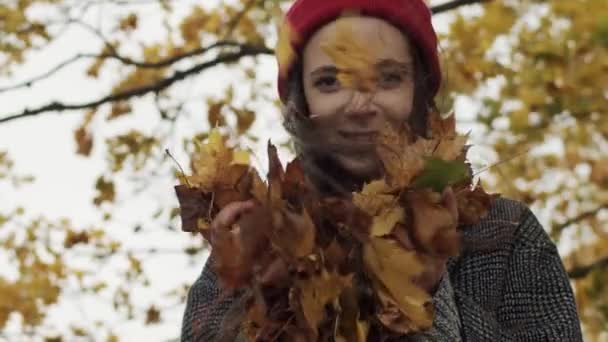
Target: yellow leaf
319	290
354	60
384	223
284	50
373	197
240	157
394	268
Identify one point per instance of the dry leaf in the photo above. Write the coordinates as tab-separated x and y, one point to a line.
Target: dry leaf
317	291
394	268
355	61
385	221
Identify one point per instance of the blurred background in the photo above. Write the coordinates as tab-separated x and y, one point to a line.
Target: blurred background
93	93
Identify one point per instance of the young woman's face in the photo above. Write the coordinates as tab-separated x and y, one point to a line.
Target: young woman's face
348	118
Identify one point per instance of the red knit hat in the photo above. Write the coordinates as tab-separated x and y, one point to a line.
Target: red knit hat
412	16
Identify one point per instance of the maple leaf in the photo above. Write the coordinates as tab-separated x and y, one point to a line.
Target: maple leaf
474	204
373	197
318	291
349	325
355	62
276	174
284	51
441	127
401	159
394	270
384	222
213	162
296	236
439	174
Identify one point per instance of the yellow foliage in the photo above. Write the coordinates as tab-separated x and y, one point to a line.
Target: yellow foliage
213	160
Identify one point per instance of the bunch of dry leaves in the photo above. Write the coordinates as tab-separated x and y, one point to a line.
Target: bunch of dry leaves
316	268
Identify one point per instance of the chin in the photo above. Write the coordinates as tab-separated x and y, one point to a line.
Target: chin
362	166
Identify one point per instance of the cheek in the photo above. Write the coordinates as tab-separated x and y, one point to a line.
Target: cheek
320	104
397	104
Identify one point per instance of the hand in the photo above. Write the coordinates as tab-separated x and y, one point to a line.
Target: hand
226	244
435	267
223	225
237	249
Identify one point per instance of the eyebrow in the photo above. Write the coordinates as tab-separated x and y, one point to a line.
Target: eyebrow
383	63
326	69
389	62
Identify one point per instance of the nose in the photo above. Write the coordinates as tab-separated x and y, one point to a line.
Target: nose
360	106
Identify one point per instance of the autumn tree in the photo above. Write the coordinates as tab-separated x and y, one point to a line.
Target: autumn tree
528	79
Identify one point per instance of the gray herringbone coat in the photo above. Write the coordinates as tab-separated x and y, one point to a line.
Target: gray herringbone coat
508	284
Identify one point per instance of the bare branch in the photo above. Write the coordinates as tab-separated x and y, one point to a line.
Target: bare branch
581	272
450	5
125	60
155	87
580	217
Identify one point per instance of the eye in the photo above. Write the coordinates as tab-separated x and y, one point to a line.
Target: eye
391	79
327	83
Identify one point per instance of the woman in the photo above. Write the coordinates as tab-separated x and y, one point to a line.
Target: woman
508	283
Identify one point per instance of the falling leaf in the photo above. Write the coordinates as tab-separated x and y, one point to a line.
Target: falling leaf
355	61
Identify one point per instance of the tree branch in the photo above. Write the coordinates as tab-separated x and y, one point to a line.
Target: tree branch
125	60
450	5
155	87
582	271
580	217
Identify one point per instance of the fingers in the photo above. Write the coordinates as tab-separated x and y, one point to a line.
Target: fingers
230	214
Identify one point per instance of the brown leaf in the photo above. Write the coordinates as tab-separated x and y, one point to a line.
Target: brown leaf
105	191
84	141
152	315
294	188
275	177
474	204
316	292
441	127
401	159
244	120
194	204
214	114
297	236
